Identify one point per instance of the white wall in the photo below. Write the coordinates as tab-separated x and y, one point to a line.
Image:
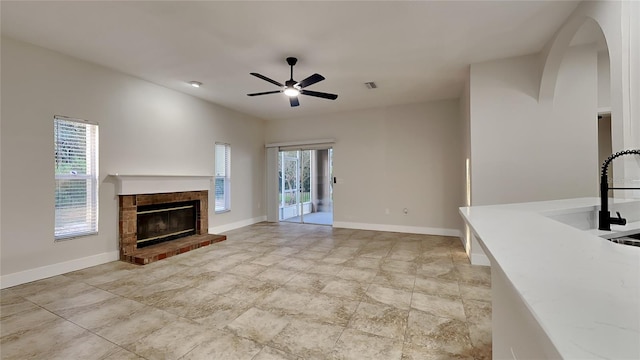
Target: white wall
144	129
523	150
469	241
604	81
633	167
618	21
391	158
465	128
465	116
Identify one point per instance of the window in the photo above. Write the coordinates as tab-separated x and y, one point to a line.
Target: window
76	173
223	177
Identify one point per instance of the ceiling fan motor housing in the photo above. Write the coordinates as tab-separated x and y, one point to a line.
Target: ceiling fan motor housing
291	61
291	84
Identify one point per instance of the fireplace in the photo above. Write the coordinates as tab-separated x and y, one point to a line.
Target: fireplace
157	226
165	222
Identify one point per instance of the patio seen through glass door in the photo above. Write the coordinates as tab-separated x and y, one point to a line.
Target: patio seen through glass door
305	187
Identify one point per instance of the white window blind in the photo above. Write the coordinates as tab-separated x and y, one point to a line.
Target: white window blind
223	177
76	174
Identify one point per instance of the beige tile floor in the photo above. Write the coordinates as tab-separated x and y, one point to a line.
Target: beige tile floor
271	291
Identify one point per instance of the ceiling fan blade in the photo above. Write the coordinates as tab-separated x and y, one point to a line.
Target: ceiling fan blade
265	93
310	80
267	79
319	94
294	101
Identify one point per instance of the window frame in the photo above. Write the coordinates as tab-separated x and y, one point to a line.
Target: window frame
91	200
226	178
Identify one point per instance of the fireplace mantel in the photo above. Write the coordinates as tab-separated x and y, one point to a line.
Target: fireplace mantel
155	184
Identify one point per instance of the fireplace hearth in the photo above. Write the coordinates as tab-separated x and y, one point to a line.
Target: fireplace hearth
157	226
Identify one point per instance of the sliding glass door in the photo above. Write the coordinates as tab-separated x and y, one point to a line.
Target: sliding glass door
305	191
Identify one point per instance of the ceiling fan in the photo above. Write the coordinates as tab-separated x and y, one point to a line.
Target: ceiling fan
293	88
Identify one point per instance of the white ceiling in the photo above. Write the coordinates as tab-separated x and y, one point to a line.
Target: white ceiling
415	51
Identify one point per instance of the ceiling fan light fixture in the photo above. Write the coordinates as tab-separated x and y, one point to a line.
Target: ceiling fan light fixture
291	91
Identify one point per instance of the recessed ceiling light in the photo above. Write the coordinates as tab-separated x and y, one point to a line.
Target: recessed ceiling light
195	84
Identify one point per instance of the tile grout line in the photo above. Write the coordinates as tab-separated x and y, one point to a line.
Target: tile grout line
80	326
406	329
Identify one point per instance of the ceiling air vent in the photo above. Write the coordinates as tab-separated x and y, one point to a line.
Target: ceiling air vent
370	85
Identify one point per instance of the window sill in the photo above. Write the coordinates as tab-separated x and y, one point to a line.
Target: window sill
223	211
75	236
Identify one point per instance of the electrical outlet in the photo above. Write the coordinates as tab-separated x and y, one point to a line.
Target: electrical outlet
386	211
405	211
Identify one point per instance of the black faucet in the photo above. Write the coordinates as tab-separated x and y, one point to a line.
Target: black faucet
605	219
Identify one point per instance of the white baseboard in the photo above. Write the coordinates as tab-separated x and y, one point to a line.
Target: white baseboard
398	228
480	259
47	271
236	225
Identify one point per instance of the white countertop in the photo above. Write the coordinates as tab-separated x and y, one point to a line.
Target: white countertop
583	290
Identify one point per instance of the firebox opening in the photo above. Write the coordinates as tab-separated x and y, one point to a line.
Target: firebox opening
163	222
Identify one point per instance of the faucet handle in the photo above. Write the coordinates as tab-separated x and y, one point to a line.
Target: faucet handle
619	220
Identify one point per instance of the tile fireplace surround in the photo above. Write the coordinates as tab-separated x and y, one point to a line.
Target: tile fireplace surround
128	205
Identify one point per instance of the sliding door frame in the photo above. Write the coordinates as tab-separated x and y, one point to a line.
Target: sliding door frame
273	152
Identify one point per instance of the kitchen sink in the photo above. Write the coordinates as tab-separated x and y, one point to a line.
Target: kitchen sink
632	240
